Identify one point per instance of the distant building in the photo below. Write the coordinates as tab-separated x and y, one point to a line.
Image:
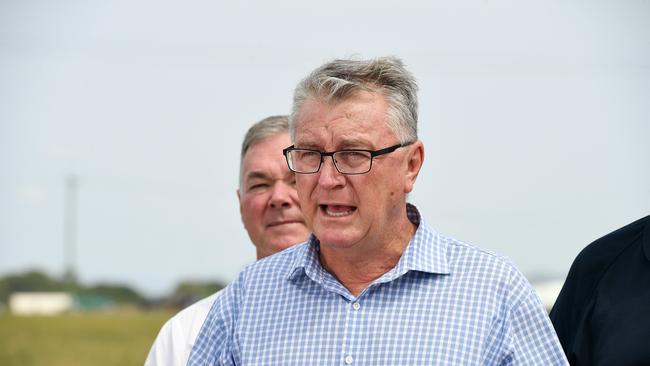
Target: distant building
40	303
93	302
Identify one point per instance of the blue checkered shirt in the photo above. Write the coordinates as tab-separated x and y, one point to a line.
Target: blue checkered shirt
444	303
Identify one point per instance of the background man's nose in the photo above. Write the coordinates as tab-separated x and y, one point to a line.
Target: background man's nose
281	195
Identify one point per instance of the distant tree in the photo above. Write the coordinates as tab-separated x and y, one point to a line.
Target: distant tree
37	281
29	281
188	292
119	293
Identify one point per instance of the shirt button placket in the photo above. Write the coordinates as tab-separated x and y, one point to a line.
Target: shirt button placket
349	359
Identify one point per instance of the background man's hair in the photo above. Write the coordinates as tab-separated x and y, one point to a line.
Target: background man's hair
268	127
338	80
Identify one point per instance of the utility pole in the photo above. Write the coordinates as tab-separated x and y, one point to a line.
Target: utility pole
70	230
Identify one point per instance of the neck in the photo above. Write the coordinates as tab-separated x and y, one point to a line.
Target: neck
358	266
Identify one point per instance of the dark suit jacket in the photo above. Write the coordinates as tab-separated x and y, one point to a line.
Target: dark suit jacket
602	315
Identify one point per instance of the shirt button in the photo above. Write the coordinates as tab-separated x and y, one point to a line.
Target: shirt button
356	306
349	360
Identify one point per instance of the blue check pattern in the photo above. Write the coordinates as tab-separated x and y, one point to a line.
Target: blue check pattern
445	303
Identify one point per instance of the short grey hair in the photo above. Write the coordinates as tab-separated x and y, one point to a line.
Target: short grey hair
339	80
268	127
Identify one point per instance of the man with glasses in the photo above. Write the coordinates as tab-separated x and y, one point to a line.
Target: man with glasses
269	209
374	284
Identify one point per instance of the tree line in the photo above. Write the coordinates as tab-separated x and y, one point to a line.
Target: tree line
185	293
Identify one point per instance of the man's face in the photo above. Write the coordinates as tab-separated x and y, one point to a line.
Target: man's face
268	201
349	210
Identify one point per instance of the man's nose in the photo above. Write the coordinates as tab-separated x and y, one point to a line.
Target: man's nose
282	195
329	177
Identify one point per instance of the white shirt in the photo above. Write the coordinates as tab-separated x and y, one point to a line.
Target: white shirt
176	337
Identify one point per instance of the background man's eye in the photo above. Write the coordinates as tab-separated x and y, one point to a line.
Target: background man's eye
258	186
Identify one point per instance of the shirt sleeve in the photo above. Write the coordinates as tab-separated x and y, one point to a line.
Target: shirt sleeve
570	306
523	333
174	341
214	343
167	349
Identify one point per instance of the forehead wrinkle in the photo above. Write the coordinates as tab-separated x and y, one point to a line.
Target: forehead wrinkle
339	128
309	138
354	142
343	131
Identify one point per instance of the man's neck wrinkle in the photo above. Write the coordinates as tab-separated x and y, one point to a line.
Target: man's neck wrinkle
357	273
357	276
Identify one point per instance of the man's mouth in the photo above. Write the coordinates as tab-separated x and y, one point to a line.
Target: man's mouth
337	210
284	222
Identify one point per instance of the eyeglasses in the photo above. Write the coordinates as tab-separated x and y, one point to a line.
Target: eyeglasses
306	161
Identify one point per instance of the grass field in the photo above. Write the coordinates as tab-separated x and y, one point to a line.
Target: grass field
98	339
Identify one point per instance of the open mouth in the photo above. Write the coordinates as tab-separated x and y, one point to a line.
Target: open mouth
337	210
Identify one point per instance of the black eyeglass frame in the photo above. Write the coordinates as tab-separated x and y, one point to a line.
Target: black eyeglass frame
373	153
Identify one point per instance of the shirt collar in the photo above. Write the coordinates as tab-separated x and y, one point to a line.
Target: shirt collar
426	252
306	261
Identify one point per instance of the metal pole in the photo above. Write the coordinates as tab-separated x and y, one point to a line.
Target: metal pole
70	229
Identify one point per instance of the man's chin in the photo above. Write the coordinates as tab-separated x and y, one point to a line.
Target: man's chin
291	229
280	240
282	245
336	238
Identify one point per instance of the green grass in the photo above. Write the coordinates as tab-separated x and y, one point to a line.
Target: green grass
98	339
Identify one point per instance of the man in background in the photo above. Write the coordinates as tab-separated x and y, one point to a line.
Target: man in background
268	204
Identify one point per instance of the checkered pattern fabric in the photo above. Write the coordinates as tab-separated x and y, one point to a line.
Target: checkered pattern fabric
445	303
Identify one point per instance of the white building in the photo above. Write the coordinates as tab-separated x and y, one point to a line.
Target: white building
40	303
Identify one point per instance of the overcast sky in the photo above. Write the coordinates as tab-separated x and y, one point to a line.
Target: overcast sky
535	118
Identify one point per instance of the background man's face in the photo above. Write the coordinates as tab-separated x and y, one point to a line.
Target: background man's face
344	210
268	201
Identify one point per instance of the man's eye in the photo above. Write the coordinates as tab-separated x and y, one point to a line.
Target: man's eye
354	155
308	155
258	186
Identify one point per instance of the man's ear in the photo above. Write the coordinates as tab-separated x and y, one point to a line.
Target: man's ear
414	160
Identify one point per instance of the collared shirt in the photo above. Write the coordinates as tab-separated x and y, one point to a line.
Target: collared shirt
176	337
444	303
